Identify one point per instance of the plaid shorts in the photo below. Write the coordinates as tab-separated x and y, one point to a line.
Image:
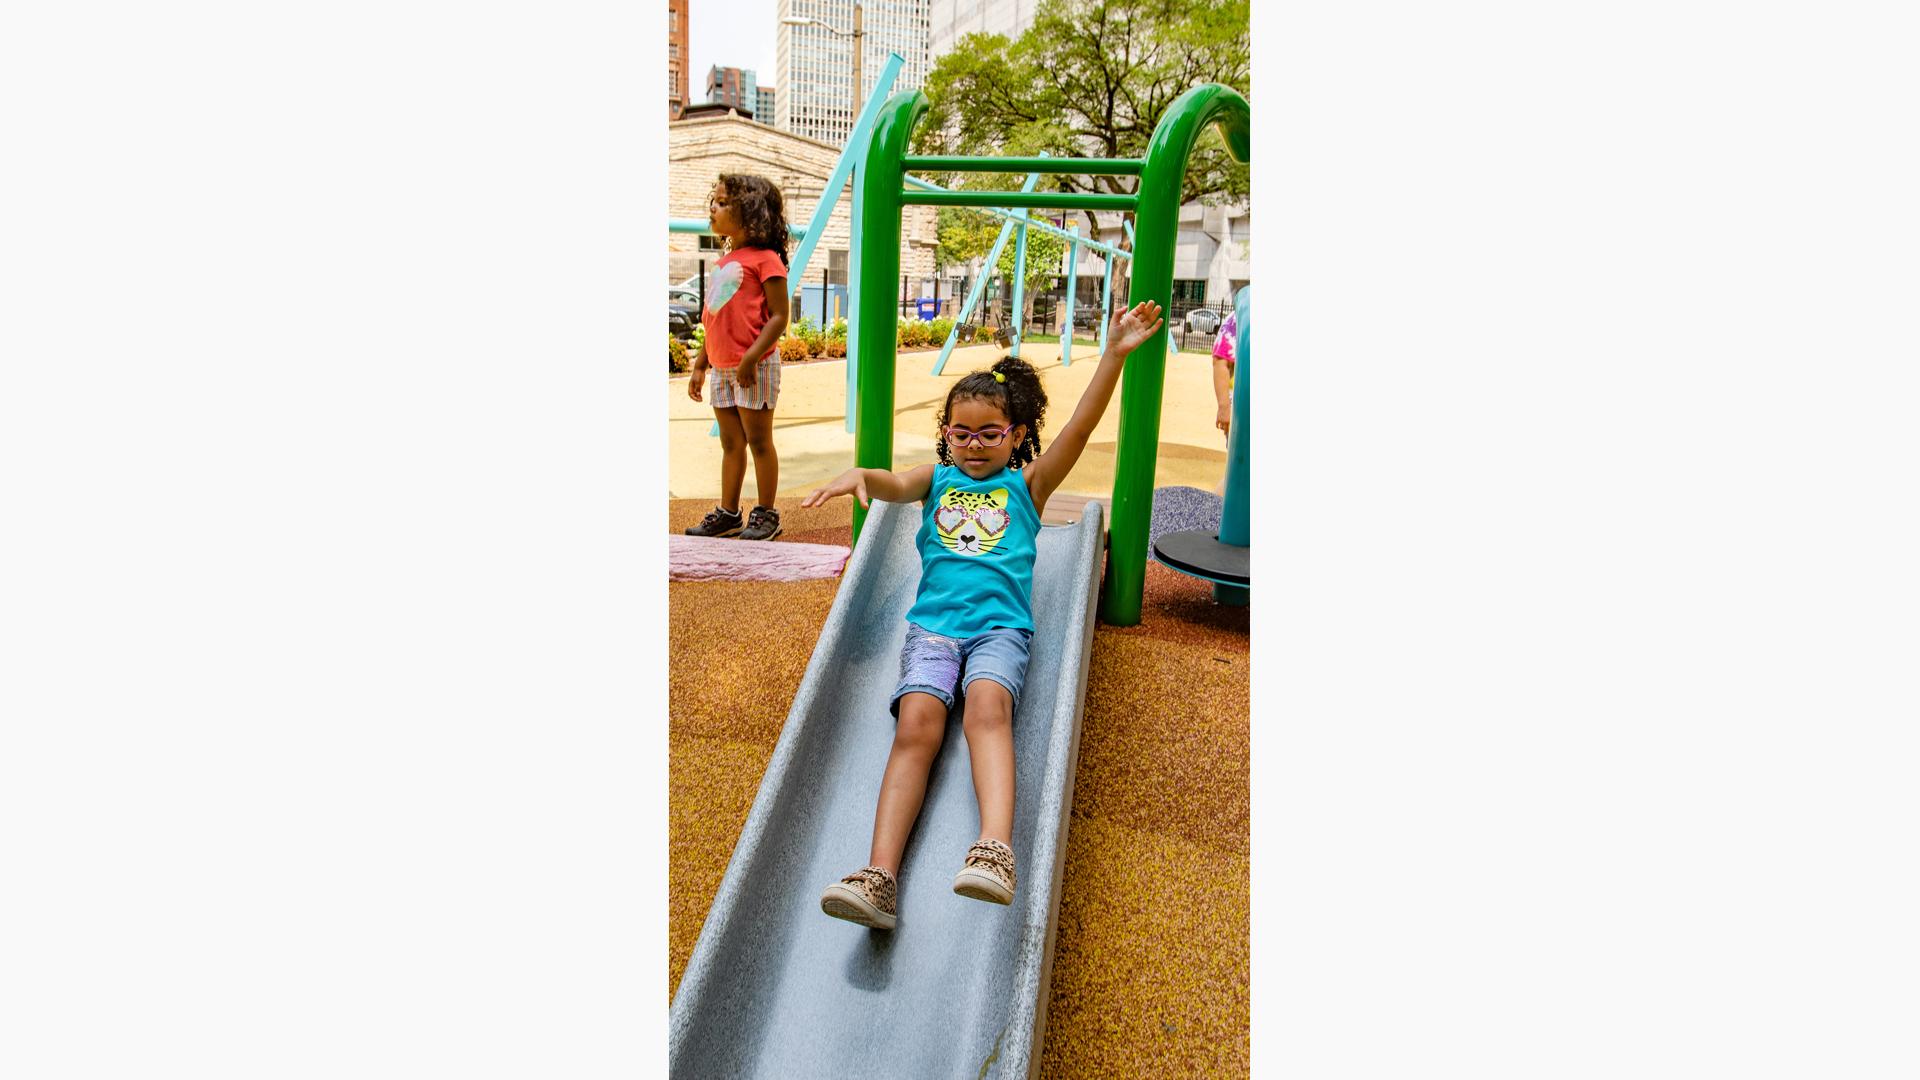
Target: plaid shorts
725	392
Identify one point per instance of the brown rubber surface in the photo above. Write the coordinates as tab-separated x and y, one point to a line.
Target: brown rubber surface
1152	959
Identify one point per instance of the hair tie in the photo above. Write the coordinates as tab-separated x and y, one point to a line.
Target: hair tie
999	376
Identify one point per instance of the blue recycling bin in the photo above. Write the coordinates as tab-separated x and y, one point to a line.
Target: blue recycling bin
929	309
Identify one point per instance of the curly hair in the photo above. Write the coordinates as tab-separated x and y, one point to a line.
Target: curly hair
1019	396
757	203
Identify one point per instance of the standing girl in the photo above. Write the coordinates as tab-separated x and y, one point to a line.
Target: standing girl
972	619
746	312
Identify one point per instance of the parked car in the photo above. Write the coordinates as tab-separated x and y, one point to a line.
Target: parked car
1203	321
683	311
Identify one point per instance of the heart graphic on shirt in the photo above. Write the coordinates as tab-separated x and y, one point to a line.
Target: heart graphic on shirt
720	289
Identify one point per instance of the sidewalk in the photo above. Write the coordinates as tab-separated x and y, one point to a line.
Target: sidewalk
814	444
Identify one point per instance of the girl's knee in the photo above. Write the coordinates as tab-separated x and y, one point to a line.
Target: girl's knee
989	705
920	727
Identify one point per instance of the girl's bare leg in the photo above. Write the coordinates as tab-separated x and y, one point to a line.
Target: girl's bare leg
758	425
988	725
733	456
916	739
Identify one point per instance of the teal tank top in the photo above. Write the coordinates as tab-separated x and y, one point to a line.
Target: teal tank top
976	545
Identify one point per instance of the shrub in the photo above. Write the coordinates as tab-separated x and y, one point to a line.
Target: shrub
676	355
816	343
940	328
699	337
801	327
838	329
836	347
985	334
913	333
792	348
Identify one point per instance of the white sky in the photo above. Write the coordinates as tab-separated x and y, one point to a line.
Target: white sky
730	33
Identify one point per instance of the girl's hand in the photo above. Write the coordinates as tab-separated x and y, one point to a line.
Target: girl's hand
746	372
852	482
697	379
1224	421
1133	327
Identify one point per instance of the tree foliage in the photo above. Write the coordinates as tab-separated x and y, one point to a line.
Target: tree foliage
965	235
1092	78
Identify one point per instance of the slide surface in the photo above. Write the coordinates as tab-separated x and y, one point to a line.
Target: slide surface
775	987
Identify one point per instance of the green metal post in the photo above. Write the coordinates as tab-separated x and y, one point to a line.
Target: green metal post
876	223
1158	214
858	202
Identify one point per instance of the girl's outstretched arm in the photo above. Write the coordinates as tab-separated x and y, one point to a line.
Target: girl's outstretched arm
1130	328
869	484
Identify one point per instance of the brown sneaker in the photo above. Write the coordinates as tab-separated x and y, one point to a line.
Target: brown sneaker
865	896
988	874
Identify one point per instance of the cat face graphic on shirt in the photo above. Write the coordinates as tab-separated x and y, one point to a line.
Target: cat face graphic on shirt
971	522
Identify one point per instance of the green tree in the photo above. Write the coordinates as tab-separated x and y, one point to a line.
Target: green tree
1092	78
965	235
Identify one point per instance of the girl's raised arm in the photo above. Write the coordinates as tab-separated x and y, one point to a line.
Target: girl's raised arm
1130	328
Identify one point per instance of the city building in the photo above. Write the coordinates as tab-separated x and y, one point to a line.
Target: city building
733	87
815	64
950	20
712	140
677	58
763	105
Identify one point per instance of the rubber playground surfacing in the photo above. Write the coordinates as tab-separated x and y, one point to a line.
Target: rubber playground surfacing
1151	958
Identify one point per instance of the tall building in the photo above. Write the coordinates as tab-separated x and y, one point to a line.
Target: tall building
950	20
676	58
763	105
734	87
815	65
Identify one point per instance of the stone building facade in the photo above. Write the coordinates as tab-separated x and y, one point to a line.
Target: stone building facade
702	147
677	58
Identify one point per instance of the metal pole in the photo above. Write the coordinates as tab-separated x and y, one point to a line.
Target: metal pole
1236	527
1019	281
980	284
1106	301
1140	391
858	49
855	275
1073	287
877	224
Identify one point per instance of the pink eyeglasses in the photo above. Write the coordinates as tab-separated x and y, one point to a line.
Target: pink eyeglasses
959	436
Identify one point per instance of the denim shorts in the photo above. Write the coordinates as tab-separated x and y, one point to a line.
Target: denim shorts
934	664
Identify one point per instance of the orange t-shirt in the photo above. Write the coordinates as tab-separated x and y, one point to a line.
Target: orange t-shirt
737	303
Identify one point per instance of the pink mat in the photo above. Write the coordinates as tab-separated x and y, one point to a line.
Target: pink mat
701	558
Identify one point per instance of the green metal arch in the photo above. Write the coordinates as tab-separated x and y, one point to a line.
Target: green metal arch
1156	228
876	230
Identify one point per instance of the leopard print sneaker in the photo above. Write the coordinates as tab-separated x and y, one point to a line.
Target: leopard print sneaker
988	874
865	896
